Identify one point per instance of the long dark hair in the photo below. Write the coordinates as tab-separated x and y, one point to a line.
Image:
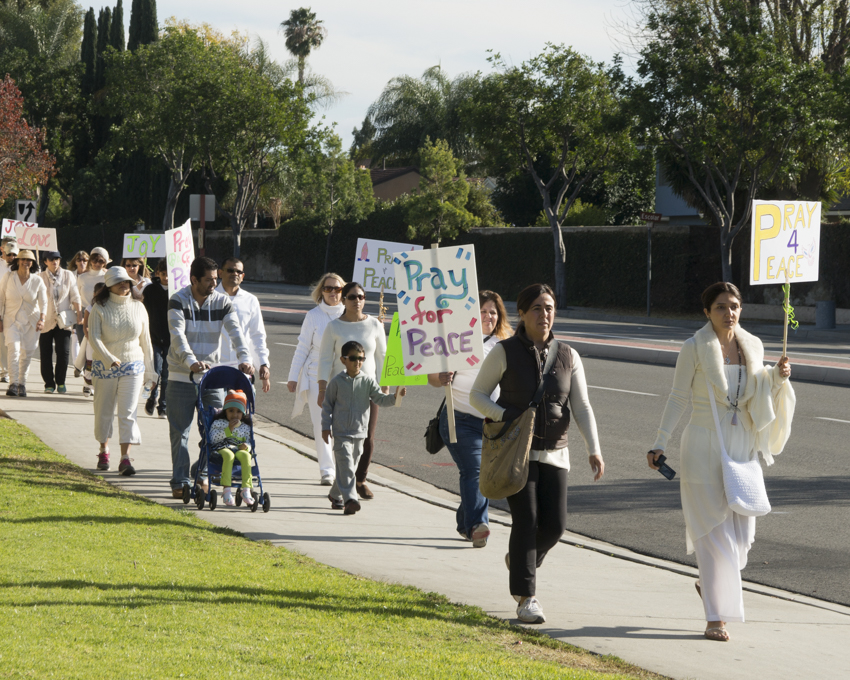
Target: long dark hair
528	295
245	417
715	290
101	295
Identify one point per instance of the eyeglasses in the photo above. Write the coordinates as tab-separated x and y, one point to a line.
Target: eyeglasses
231	270
83	259
131	266
355	358
331	289
353	297
97	260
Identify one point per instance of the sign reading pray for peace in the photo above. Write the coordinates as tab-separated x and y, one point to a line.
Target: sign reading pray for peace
373	264
438	309
392	373
785	241
180	251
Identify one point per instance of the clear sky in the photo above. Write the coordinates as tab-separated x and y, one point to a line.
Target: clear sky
371	41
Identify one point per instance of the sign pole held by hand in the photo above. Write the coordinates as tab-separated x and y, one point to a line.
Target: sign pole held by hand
787	309
450	400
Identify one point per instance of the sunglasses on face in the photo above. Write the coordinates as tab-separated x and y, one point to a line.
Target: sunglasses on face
98	260
231	270
131	266
354	296
331	289
354	357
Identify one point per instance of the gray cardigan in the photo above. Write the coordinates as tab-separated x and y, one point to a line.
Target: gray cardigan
346	404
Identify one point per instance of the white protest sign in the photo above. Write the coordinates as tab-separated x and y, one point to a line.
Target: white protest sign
373	266
785	240
25	211
35	237
179	251
148	244
10	225
438	309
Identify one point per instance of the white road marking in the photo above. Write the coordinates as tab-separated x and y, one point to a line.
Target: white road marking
614	389
834	420
285	344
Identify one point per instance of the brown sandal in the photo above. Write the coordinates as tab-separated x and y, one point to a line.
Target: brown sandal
699	592
718	634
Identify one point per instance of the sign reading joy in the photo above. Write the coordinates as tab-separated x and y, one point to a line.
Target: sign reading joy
145	245
785	242
438	309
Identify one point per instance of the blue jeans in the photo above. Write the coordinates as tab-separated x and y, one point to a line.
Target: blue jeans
466	454
160	367
182	403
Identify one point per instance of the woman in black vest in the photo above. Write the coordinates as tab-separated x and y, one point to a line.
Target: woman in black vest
539	510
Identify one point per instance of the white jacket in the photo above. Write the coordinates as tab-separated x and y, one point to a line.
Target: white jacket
250	316
69	295
21	304
305	363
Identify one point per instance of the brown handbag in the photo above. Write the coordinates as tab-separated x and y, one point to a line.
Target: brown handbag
505	446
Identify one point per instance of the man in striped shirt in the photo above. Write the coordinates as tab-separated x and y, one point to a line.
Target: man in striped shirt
197	314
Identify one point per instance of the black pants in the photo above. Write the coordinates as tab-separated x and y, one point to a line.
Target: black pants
368	445
538	520
61	338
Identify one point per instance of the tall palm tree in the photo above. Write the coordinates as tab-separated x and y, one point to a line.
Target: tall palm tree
303	33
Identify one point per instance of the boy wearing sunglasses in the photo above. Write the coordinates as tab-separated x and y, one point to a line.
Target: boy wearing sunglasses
345	410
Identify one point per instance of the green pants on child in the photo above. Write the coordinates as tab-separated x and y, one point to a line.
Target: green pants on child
244	458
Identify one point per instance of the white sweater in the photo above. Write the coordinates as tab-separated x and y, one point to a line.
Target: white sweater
369	333
86	283
69	297
118	331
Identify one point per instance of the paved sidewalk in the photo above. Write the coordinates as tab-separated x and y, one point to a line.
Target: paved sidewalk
596	596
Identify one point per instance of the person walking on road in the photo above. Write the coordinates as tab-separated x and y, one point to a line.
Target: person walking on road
304	371
77	266
757	408
86	282
63	312
196	316
515	365
247	306
23	306
473	523
155	300
122	362
8	253
354	325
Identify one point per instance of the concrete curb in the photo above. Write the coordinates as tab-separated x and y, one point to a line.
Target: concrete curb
576	540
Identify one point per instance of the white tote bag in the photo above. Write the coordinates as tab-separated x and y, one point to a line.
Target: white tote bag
743	482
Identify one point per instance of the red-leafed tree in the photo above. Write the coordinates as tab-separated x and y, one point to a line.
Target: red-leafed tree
24	163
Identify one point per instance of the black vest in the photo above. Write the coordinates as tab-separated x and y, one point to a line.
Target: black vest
520	381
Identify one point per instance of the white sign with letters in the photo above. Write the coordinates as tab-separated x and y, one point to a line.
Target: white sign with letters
373	264
180	251
146	244
785	241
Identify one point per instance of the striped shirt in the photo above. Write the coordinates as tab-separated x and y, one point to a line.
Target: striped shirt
195	332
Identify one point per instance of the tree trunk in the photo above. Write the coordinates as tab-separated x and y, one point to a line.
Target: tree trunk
236	228
174	189
328	247
43	204
560	265
726	256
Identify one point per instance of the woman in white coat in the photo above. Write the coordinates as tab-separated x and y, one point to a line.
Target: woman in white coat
123	361
23	305
63	312
756	406
304	371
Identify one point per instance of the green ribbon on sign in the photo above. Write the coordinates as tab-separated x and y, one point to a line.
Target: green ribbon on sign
788	309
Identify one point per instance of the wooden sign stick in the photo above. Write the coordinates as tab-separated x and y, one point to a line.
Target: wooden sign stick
450	400
785	308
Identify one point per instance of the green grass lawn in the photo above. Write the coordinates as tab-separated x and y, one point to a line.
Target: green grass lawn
99	583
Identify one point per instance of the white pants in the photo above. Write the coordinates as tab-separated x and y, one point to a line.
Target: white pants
3	351
121	394
721	554
19	354
327	464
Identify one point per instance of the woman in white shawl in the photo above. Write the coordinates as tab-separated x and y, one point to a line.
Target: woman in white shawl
303	374
63	313
23	304
756	406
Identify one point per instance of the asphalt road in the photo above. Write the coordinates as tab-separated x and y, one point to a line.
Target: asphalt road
802	546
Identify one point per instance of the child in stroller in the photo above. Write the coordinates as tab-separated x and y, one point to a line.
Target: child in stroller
229	436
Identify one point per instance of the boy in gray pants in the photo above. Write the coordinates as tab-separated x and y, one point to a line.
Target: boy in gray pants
346	410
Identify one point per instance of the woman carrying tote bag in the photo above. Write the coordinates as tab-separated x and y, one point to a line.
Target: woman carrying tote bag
756	405
539	509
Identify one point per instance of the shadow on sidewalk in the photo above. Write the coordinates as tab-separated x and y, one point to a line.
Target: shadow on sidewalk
623	632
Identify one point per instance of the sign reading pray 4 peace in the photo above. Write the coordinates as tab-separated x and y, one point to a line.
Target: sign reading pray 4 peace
785	241
438	309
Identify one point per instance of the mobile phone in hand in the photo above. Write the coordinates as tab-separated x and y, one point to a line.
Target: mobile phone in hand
663	468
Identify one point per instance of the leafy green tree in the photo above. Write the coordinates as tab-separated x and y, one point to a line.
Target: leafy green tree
726	111
116	34
303	33
361	146
330	187
144	28
410	110
559	108
88	54
437	209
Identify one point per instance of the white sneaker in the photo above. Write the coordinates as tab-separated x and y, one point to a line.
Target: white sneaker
227	498
328	480
530	612
247	498
480	534
4	379
146	393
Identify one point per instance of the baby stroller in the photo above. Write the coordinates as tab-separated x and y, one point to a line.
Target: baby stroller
209	461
